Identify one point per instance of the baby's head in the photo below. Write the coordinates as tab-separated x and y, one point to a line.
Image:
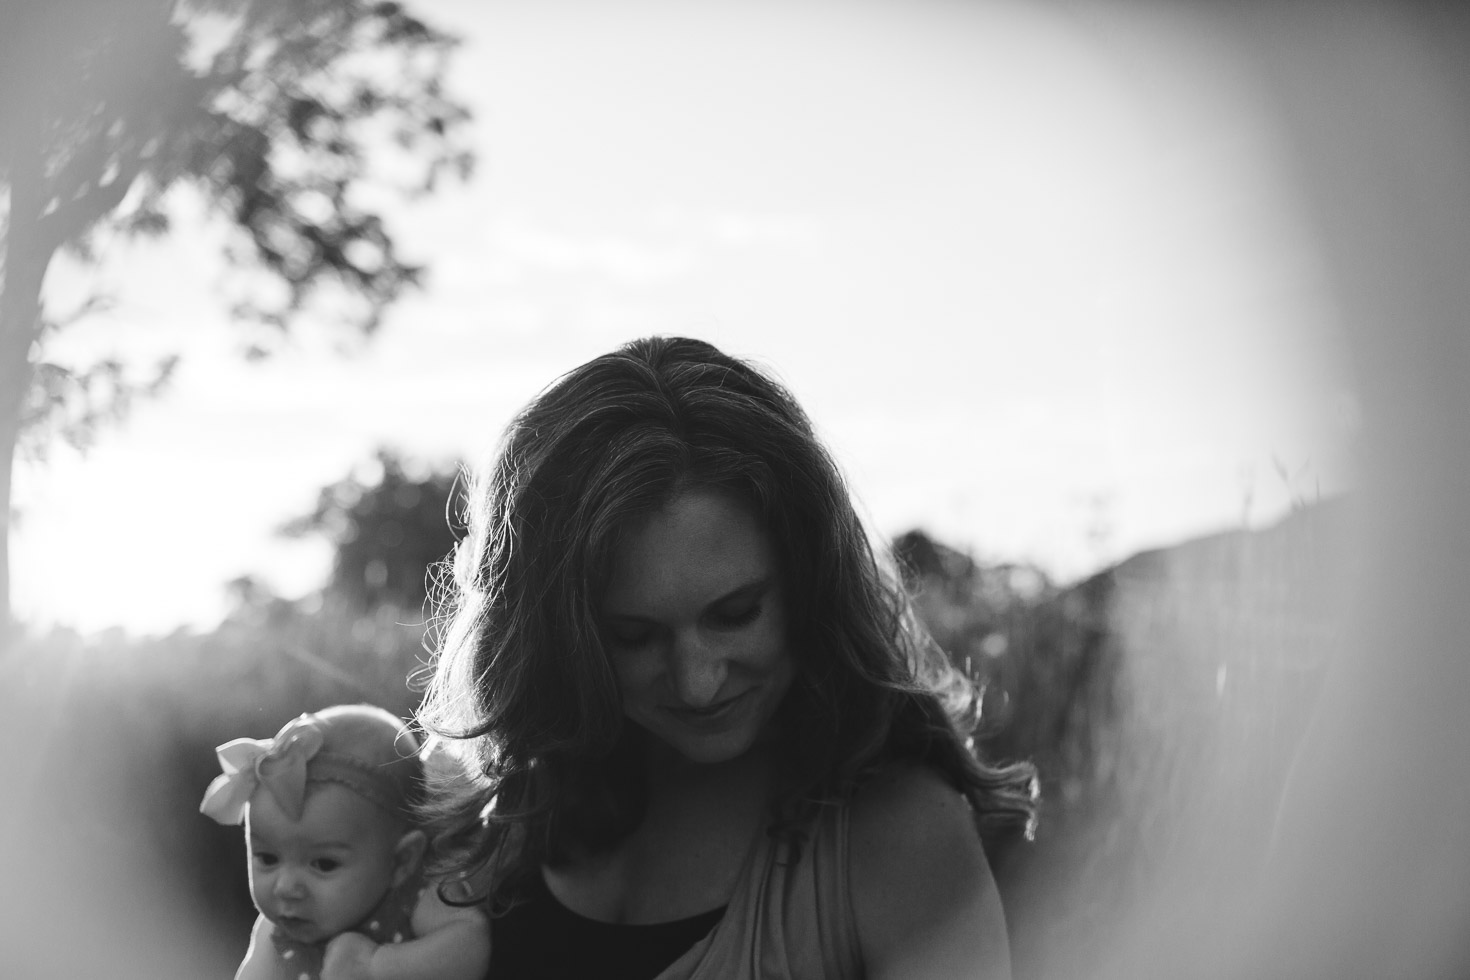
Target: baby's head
326	806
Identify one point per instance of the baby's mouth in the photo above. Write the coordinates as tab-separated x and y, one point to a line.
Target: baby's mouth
294	926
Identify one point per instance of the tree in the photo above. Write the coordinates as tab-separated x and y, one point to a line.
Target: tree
387	533
283	115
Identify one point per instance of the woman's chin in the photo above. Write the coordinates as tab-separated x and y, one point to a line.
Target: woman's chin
706	749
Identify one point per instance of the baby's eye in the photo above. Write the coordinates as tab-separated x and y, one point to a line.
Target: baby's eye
326	865
265	859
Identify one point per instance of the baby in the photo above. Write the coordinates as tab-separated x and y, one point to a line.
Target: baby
334	857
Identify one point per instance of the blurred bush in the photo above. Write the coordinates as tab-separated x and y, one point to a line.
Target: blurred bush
1162	701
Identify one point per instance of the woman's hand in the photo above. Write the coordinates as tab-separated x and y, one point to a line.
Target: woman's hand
349	957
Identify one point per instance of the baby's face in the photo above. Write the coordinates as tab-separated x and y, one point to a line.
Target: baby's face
321	875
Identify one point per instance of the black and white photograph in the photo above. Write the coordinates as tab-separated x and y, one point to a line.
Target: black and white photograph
654	490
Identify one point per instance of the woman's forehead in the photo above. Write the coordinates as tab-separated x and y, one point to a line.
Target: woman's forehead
699	547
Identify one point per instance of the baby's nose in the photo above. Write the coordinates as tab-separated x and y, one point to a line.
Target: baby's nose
289	884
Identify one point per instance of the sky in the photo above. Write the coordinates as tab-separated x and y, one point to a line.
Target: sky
1041	277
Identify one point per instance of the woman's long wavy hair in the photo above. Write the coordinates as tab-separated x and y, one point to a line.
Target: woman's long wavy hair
521	680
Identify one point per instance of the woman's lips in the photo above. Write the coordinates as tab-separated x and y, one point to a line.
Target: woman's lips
711	717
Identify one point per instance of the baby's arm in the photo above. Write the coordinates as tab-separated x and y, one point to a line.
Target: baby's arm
451	943
260	962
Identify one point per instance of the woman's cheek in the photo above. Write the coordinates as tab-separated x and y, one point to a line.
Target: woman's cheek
636	672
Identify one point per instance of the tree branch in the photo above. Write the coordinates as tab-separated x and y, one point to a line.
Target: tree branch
76	215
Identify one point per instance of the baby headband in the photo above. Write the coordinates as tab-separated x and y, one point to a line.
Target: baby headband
284	765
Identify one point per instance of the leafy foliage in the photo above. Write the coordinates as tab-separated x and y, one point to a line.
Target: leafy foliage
279	111
289	118
70	405
387	533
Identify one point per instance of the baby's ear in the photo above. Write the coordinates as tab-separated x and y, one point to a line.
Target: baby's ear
408	855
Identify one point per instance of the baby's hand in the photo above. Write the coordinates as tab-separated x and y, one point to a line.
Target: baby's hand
349	957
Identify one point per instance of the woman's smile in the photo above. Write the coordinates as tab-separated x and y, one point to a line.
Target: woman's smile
715	716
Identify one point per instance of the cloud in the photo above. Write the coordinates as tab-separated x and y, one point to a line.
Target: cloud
520	249
765	229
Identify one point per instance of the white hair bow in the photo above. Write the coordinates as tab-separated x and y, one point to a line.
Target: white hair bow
278	764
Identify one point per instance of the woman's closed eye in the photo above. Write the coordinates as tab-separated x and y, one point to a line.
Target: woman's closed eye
634	635
629	635
734	619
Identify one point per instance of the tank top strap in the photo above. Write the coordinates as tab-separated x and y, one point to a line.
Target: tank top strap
841	955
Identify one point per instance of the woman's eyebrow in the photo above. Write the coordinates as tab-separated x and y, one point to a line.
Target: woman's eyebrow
749	590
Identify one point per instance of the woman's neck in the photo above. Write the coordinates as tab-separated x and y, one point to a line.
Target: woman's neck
669	772
686	854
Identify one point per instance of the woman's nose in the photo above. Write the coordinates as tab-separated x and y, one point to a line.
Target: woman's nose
696	671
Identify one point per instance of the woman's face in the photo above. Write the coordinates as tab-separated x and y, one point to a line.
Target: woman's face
695	623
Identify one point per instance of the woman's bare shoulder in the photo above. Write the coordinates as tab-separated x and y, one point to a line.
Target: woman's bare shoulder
906	817
923	897
901	787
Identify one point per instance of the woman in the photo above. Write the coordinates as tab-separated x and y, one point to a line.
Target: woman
707	737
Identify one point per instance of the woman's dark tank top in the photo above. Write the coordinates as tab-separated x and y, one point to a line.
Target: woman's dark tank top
542	939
